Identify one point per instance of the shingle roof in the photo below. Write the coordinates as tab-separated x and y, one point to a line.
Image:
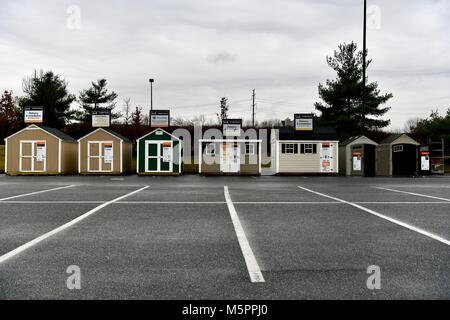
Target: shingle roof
118	135
61	135
319	133
391	138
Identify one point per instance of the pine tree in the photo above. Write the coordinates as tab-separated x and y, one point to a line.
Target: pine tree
223	114
342	97
97	97
48	90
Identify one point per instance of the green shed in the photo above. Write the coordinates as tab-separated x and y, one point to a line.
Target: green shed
159	153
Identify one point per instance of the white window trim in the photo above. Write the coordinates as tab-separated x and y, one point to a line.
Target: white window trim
398	148
252	146
309	146
289	146
210	151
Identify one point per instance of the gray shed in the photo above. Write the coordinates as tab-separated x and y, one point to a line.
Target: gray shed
357	156
397	156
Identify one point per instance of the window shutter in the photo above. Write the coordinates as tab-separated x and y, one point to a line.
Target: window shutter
315	148
296	148
283	148
302	148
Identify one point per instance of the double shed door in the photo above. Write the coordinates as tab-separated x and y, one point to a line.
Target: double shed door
100	156
33	156
158	156
230	157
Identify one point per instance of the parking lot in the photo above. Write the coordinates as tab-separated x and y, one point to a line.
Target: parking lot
194	237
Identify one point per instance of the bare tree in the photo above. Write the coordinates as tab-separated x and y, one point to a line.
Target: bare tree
127	112
411	124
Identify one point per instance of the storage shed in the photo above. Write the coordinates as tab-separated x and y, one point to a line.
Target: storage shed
104	151
397	156
159	153
230	156
314	152
357	157
40	150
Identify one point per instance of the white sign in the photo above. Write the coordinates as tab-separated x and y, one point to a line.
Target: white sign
167	154
425	163
231	130
41	152
304	124
34	116
101	120
326	158
160	118
357	163
108	154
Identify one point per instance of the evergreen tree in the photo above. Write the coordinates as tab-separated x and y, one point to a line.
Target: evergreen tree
341	104
9	114
49	91
96	97
223	114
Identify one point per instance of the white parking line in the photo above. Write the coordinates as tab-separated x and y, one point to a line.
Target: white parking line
217	202
413	193
252	265
400	223
36	192
31	243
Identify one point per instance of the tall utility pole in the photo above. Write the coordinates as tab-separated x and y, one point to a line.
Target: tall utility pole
151	93
253	108
364	97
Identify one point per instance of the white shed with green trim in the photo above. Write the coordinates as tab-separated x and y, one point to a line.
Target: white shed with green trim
159	153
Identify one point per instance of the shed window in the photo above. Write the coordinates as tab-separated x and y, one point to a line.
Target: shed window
249	149
289	148
398	149
210	149
308	148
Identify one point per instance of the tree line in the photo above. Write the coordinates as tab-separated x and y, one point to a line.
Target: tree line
340	104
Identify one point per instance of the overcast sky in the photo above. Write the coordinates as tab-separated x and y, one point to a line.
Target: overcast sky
201	50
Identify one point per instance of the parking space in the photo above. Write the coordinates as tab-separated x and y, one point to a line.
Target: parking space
184	239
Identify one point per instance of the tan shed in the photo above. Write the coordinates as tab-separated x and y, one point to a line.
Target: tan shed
104	152
40	150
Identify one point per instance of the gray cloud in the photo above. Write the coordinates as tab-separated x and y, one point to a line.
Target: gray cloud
200	50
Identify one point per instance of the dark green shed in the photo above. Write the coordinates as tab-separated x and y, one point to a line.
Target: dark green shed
159	153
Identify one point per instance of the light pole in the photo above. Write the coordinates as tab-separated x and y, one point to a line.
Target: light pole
364	98
151	93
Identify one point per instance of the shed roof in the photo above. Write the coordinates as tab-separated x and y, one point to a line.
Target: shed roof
159	129
393	137
355	138
52	131
319	133
117	135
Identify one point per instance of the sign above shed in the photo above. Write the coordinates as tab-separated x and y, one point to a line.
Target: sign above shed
160	118
232	127
33	114
304	122
101	118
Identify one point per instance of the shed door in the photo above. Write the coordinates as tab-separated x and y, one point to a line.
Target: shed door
230	158
100	156
159	156
33	156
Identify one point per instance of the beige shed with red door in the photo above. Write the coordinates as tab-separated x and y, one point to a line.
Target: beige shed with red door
104	151
38	150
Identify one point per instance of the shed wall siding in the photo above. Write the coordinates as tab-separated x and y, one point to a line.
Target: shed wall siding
69	157
305	163
99	136
52	145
